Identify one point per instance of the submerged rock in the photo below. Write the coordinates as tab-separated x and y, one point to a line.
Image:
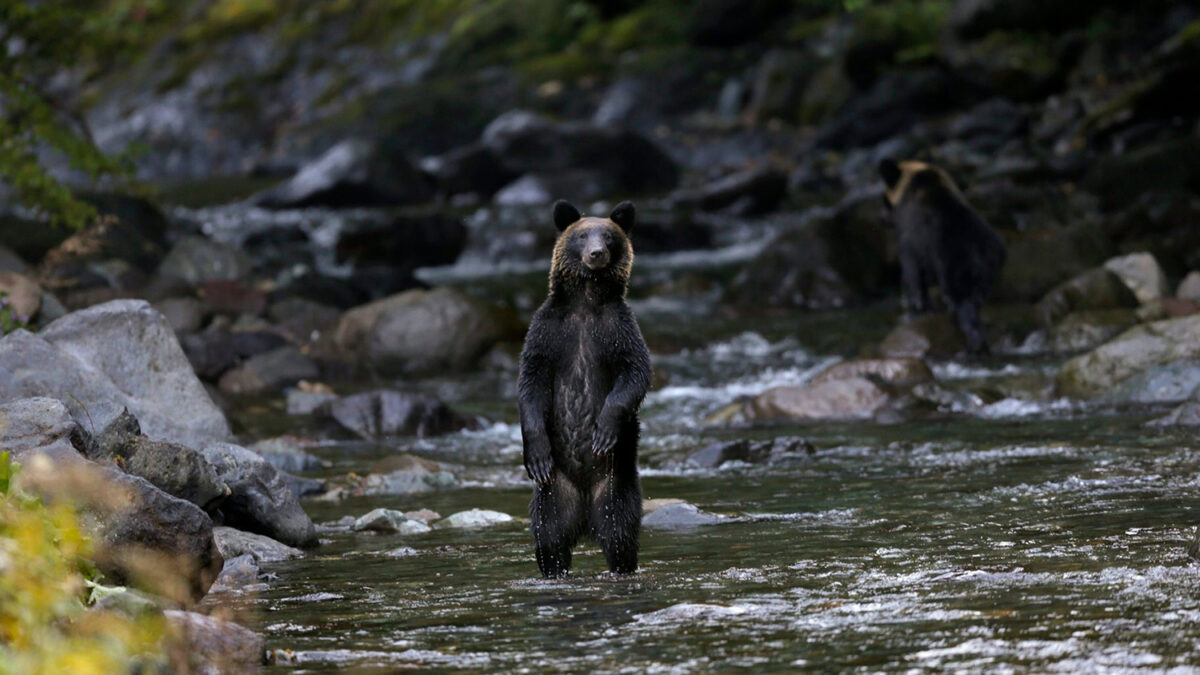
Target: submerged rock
475	519
930	335
269	371
285	454
1096	289
406	474
1142	274
680	516
849	398
260	501
1134	351
214	351
390	520
900	371
750	451
196	260
1085	330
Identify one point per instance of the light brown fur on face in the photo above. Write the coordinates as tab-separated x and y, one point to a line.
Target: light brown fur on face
561	267
911	168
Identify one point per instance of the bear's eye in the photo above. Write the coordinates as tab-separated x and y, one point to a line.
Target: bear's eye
608	237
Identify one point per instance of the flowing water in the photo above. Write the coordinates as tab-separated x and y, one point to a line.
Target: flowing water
1011	532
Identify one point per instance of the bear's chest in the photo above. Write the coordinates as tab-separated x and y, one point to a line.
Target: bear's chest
581	384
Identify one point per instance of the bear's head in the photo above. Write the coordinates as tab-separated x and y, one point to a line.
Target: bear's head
595	250
903	180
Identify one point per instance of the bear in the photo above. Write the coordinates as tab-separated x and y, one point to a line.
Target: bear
942	240
583	373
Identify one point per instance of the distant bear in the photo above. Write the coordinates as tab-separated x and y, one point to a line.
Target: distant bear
584	372
943	241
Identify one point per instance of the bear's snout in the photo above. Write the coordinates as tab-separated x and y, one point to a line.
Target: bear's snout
596	257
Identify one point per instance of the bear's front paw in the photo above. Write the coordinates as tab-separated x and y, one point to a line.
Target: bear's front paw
538	466
604	439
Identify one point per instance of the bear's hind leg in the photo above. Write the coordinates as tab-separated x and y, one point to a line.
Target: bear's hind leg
617	521
558	516
966	313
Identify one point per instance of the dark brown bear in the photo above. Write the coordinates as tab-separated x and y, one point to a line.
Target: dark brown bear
584	372
942	241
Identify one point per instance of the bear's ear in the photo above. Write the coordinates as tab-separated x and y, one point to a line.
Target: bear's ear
890	171
565	214
624	215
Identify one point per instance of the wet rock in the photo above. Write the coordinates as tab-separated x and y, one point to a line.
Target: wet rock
1189	288
11	262
212	646
143	536
779	82
382	413
233	543
185	315
238	573
420	332
901	372
176	469
423	515
351	173
22	295
214	351
31	423
749	451
302	320
270	371
1141	273
931	335
304	487
260	500
749	192
1080	331
475	519
1186	415
651	505
1096	289
406	474
108	358
301	402
389	521
893	105
471	169
1134	351
850	398
1166	308
285	454
195	260
129	231
1166	383
525	143
405	241
680	516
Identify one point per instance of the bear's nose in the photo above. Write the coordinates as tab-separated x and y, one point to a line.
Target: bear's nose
595	254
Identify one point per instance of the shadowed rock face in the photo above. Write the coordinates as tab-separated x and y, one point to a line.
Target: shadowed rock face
260	500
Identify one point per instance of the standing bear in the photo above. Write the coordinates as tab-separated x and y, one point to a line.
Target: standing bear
942	240
584	372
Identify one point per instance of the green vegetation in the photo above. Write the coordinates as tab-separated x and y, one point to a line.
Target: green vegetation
46	625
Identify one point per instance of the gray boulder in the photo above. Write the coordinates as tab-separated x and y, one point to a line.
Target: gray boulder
749	451
406	474
233	543
1166	383
680	516
260	500
390	521
747	192
125	355
196	260
307	402
1135	351
1096	289
286	455
31	423
475	519
1142	274
1080	331
213	646
931	335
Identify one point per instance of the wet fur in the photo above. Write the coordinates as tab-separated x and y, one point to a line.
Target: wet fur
942	240
584	372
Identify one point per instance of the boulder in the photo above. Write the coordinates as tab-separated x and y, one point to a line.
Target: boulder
239	573
1141	273
260	500
301	320
471	169
231	297
893	105
20	295
113	251
971	19
286	455
1187	414
404	241
1096	289
195	260
849	398
1081	331
176	469
1189	288
214	351
269	372
680	516
300	402
185	315
536	189
143	536
406	474
130	345
525	142
422	332
747	192
901	372
378	414
352	173
930	335
475	519
1134	351
233	543
389	521
31	423
1039	260
1166	383
779	83
209	646
11	262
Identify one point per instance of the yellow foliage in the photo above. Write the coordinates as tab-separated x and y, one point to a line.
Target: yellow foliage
45	627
